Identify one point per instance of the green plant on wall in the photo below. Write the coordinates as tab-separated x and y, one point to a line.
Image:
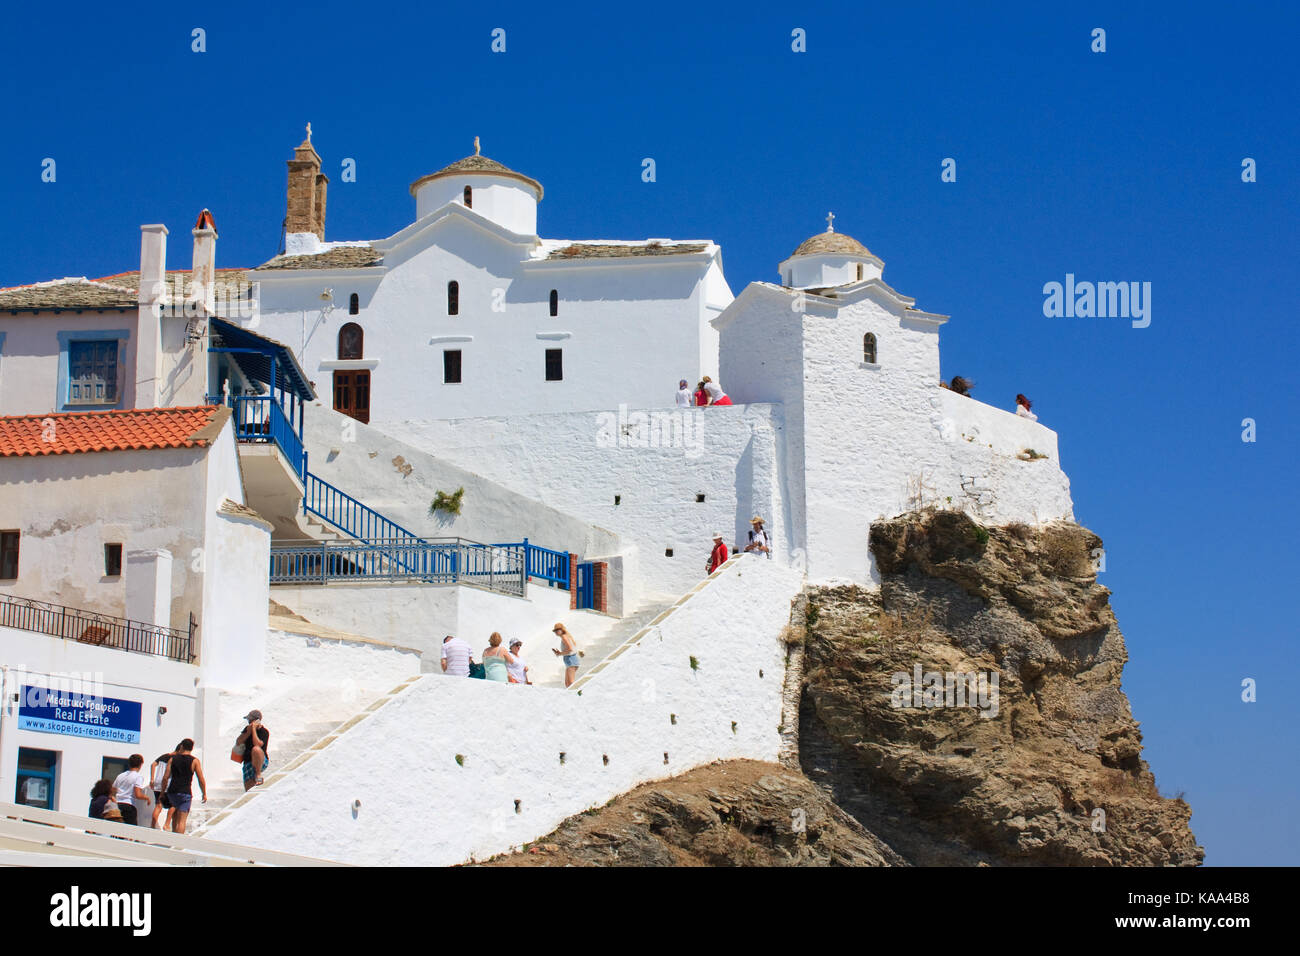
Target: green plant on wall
448	503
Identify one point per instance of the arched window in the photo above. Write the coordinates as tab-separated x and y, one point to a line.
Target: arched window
354	304
869	348
453	297
351	342
555	302
469	198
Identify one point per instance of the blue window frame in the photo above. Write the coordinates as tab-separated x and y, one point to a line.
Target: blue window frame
92	368
35	783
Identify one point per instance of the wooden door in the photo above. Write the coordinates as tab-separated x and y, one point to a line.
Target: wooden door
352	393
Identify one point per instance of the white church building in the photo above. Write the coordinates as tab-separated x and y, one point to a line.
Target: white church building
533	380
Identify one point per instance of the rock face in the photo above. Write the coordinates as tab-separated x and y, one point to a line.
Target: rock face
734	813
1046	767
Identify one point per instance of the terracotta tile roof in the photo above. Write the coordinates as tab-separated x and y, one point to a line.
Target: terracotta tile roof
611	250
129	429
342	257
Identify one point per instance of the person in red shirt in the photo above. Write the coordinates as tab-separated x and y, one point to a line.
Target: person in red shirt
719	555
701	396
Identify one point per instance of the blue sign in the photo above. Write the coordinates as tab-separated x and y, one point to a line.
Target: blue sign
52	711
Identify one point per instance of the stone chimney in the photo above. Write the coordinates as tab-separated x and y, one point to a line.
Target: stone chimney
152	296
204	274
307	185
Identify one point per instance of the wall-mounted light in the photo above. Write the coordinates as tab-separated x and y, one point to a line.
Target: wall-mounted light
161	711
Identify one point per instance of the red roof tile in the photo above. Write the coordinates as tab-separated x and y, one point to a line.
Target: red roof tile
129	429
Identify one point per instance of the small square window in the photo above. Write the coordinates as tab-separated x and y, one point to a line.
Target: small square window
555	365
451	366
699	499
668	552
618	500
8	555
112	560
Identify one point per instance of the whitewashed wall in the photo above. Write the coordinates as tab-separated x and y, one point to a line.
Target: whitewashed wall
420	616
656	464
399	481
616	735
608	308
44	661
878	440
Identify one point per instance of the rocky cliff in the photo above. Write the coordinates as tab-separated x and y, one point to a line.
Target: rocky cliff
1042	761
967	713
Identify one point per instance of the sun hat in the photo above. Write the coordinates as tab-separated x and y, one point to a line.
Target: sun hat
516	643
253	715
717	536
757	519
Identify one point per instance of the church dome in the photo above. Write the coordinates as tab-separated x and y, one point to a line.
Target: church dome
829	244
477	165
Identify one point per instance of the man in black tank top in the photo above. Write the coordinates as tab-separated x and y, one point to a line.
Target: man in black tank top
178	784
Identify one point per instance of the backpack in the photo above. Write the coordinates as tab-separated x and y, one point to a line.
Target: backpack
477	670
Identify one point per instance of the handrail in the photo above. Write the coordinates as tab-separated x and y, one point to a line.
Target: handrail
448	562
93	627
260	418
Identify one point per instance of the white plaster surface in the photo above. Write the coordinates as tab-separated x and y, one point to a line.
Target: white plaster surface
420	807
656	461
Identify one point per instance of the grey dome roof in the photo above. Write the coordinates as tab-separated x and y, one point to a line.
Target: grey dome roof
480	166
831	243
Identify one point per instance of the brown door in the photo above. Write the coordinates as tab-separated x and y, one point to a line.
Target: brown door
352	393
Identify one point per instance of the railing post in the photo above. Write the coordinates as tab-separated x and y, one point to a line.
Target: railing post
323	570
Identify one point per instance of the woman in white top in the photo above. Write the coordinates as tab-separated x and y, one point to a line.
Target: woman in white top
716	395
1022	408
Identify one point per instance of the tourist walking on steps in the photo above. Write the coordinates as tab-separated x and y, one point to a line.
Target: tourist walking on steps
456	657
961	386
157	771
701	396
759	543
716	395
252	744
568	649
719	554
179	787
130	790
1023	406
517	669
683	394
496	660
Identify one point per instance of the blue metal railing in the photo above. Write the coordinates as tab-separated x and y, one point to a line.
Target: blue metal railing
352	517
543	563
260	418
440	561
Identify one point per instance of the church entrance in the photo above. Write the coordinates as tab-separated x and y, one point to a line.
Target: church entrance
352	393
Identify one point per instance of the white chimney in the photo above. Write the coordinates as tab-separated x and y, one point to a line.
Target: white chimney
152	295
203	278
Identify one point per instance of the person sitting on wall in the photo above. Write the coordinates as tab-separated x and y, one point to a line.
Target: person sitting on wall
759	543
961	386
683	394
701	396
102	804
716	395
718	556
1023	406
517	669
457	658
497	660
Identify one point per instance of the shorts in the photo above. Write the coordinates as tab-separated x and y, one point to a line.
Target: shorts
249	774
570	660
180	802
128	813
164	800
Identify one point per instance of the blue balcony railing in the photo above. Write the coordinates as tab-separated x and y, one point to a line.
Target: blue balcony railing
439	561
543	563
259	418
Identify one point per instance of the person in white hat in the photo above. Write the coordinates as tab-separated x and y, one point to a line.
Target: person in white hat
759	543
719	555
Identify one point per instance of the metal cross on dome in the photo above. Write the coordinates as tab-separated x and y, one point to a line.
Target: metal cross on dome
309	132
830	224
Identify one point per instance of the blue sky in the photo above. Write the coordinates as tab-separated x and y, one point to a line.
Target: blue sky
1123	165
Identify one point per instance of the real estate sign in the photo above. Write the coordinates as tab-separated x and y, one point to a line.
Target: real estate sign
52	711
